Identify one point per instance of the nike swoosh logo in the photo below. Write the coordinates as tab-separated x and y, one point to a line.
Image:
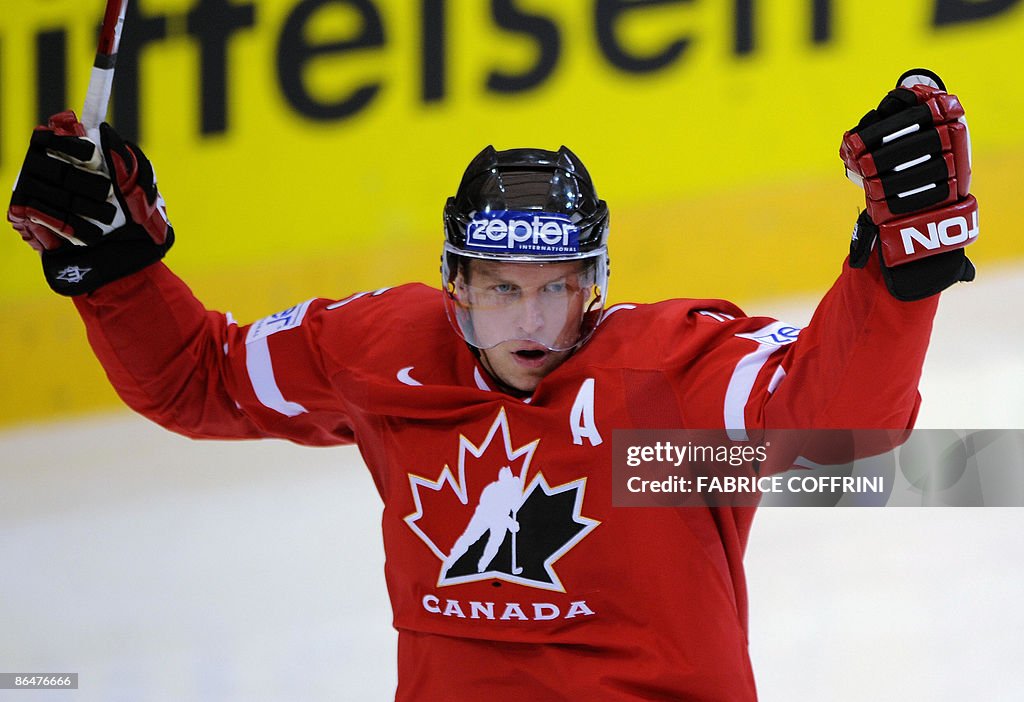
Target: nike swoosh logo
404	376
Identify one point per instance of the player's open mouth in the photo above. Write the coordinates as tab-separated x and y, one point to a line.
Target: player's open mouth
532	357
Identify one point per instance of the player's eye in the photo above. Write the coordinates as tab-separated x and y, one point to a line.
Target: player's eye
556	287
504	289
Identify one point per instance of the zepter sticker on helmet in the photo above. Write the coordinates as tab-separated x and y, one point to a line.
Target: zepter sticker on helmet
515	232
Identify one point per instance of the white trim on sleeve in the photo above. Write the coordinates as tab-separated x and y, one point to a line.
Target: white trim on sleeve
777	377
264	384
738	393
769	339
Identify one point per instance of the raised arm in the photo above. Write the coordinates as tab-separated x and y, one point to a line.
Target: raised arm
858	363
193	371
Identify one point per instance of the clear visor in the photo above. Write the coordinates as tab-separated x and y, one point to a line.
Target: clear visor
554	304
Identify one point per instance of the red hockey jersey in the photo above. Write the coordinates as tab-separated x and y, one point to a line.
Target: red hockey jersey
566	597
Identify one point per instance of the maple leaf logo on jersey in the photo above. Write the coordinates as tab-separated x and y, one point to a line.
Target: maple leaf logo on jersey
494	519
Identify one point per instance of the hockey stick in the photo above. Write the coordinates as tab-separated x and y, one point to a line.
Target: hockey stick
97	96
516	569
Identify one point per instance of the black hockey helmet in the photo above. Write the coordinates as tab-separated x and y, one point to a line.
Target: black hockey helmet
531	180
526	206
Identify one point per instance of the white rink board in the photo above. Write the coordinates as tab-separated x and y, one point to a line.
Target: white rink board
160	568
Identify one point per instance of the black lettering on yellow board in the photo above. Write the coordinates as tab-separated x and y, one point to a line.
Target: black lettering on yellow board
743	27
52	74
435	57
949	12
213	24
821	21
607	14
143	30
543	31
294	52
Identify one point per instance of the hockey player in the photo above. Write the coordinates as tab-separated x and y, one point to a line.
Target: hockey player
517	369
491	517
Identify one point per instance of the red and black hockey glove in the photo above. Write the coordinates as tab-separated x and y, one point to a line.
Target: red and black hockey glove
89	227
912	156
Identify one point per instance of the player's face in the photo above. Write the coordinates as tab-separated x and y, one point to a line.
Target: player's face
519	311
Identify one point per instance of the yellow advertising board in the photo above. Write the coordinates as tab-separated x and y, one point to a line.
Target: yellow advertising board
306	147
